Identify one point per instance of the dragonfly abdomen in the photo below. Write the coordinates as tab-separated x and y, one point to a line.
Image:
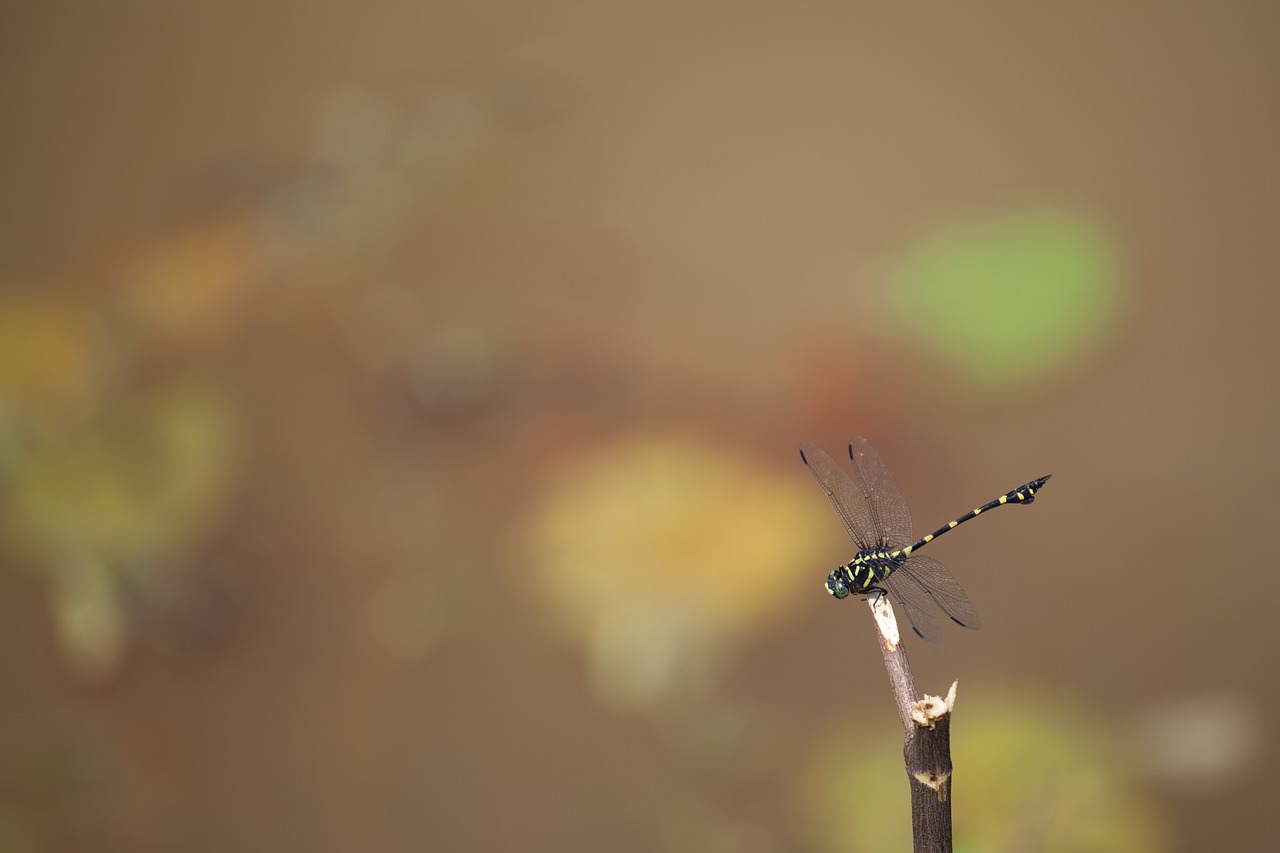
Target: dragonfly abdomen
1021	495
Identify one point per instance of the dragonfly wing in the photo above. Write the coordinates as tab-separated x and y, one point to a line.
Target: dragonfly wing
848	499
915	602
944	590
890	518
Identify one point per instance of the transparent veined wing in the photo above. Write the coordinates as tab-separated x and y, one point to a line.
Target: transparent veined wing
908	593
848	499
944	590
890	518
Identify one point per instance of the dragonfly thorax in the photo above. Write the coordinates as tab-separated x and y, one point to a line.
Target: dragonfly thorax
863	573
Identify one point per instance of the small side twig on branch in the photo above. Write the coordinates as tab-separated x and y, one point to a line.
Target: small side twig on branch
926	749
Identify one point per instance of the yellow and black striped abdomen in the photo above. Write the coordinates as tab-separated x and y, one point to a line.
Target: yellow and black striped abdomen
1021	495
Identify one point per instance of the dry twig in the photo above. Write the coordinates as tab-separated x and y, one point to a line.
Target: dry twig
926	750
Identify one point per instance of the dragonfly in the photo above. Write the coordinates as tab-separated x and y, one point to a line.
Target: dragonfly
875	515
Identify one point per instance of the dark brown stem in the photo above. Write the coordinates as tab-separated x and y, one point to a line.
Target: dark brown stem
926	749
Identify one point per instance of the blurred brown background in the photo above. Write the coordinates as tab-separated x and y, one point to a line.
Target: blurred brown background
399	406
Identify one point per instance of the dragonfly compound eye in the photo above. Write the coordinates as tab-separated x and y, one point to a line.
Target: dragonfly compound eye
836	585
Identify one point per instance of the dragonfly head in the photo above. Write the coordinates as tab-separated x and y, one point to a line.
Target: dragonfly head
836	584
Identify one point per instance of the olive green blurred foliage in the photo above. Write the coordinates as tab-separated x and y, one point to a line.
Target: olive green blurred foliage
117	444
1029	774
1011	296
